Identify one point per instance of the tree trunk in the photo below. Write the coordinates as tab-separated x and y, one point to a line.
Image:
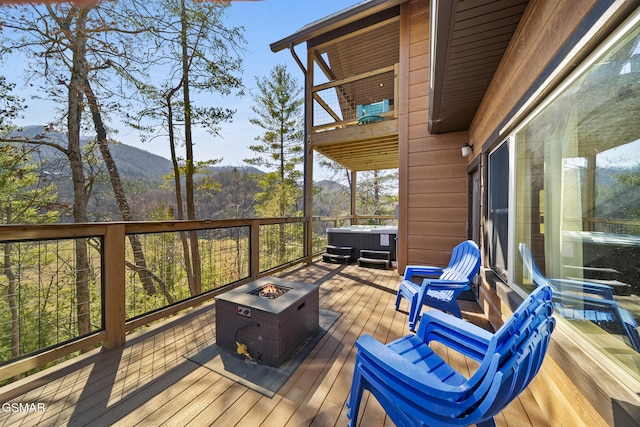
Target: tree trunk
118	190
74	155
178	185
191	210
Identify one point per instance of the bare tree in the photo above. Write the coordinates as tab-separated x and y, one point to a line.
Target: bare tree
197	53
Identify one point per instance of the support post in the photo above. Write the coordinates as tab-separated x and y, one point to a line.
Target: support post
308	157
114	286
254	244
354	200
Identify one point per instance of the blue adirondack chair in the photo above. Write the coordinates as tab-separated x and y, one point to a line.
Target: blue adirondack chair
441	289
416	387
586	301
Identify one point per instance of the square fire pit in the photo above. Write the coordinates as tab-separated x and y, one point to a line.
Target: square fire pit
272	316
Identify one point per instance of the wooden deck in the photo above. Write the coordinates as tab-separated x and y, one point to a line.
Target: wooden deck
150	382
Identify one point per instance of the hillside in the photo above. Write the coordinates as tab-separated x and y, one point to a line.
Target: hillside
133	163
143	176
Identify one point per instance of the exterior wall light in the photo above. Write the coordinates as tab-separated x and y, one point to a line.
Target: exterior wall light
467	150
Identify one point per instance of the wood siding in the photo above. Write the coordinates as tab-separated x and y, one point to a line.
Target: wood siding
433	175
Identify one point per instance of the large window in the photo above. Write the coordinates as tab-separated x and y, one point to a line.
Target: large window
578	199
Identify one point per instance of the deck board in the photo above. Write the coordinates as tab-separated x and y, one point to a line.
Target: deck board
150	382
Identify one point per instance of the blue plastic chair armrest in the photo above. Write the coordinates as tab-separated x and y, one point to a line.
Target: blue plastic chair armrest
455	333
446	284
396	366
422	270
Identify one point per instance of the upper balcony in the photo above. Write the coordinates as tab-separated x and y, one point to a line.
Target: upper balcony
355	120
352	92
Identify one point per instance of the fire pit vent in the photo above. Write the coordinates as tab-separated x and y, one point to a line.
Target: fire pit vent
270	291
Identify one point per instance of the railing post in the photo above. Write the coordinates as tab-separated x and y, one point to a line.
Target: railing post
114	285
254	245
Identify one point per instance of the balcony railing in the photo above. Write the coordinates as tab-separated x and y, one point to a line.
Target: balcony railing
71	287
343	102
67	288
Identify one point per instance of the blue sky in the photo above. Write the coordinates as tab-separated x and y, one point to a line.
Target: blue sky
265	22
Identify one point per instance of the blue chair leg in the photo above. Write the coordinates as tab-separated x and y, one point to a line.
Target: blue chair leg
353	403
414	312
398	298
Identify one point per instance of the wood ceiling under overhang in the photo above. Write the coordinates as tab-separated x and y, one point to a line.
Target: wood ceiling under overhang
471	37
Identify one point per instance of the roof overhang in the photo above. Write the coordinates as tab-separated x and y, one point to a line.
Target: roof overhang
329	23
468	40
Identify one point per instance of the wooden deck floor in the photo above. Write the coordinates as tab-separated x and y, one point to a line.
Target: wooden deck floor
150	382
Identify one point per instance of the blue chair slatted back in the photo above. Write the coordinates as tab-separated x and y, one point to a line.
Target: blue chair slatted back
521	344
527	258
464	262
513	358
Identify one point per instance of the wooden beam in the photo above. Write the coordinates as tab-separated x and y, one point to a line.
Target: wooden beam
351	33
342	93
402	108
326	107
354	186
308	160
385	128
350	79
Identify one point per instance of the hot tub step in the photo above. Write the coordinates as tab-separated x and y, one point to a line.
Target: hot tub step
336	258
335	253
374	259
374	263
338	250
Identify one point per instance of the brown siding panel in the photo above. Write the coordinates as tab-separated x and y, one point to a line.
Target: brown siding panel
436	183
443	200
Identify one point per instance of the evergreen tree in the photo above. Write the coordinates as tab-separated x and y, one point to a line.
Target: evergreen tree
278	112
377	192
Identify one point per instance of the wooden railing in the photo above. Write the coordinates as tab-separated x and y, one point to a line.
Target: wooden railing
338	221
41	294
40	262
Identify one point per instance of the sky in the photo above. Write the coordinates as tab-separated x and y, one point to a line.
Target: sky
265	22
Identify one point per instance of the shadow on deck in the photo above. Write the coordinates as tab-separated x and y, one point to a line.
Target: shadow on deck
150	382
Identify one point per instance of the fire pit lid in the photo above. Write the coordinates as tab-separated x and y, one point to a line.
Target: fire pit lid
242	295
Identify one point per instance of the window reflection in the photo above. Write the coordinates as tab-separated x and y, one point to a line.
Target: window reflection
578	201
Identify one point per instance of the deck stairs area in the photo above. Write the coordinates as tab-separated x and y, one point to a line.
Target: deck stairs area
337	254
374	259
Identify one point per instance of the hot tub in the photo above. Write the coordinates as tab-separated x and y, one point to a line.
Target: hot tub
372	237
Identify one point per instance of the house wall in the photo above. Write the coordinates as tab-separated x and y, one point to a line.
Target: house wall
433	173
